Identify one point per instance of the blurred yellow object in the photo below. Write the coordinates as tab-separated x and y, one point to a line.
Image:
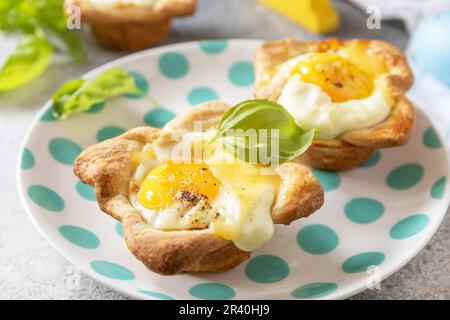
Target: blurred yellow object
318	16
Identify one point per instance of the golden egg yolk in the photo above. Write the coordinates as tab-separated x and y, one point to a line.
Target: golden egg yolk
341	79
165	184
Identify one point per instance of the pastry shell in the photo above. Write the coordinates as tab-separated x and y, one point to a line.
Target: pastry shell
354	147
107	167
131	27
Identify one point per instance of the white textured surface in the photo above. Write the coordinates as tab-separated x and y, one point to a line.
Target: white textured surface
31	269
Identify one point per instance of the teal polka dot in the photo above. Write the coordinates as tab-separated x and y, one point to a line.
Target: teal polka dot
214	46
158	117
109	132
112	270
86	191
405	176
96	108
156	295
409	227
267	269
27	159
329	180
314	290
438	188
373	160
48	115
212	291
142	84
46	198
64	150
202	94
173	65
362	261
431	139
364	210
317	239
79	236
119	228
241	73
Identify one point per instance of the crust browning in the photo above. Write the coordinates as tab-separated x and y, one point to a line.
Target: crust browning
354	147
107	167
394	131
129	27
339	157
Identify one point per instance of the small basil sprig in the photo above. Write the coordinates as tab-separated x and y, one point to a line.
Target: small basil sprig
81	94
255	115
41	24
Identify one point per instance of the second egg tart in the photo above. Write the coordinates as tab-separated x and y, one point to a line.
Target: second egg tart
351	92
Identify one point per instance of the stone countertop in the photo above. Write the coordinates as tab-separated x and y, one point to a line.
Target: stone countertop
31	269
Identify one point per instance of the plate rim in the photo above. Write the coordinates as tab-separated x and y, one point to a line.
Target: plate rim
352	288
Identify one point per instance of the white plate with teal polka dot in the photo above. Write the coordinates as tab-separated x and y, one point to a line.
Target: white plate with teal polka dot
375	218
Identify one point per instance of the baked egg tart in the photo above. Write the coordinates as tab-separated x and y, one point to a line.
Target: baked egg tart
351	92
203	215
130	25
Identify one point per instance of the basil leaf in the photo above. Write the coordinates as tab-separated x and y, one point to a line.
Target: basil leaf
28	15
262	117
43	19
80	95
64	93
30	59
303	142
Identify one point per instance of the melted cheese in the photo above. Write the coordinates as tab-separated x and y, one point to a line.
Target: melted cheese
247	221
